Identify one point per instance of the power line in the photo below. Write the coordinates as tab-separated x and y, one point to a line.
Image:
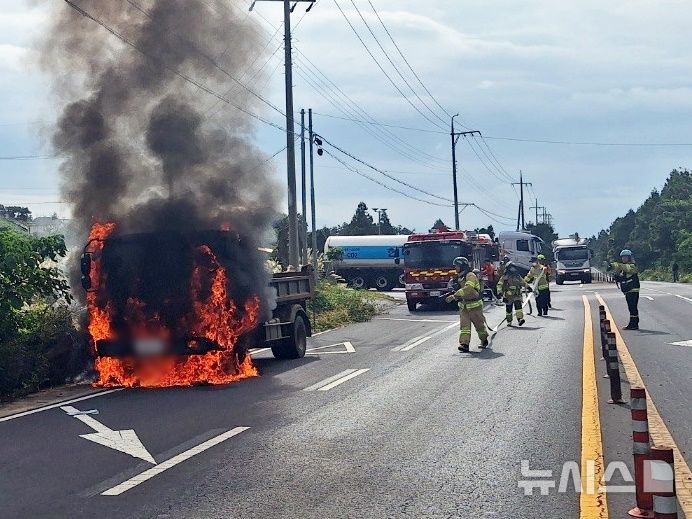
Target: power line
382	172
28	157
391	62
406	61
332	116
586	143
382	68
364	175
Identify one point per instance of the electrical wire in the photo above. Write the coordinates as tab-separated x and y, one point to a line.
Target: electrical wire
390	188
332	116
407	62
382	172
389	78
391	62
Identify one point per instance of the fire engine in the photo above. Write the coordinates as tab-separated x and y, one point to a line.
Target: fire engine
428	261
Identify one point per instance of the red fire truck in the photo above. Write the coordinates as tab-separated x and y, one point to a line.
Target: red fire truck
428	260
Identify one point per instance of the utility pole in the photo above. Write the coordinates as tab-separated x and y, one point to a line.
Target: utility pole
521	222
537	207
304	193
312	195
455	139
379	218
293	252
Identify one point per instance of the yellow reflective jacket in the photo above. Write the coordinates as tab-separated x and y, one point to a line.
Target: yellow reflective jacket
470	294
510	287
627	275
540	273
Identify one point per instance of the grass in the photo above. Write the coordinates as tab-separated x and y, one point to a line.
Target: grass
664	275
335	305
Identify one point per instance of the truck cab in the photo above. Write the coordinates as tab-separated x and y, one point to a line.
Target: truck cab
573	260
428	264
520	247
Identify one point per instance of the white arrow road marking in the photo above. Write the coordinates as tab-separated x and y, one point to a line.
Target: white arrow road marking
339	378
172	462
682	343
649	298
257	351
347	345
123	441
683	298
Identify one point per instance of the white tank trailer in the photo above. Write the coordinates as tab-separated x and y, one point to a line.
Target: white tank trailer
369	261
572	260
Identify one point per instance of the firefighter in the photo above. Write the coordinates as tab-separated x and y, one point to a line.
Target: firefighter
539	274
627	276
470	300
509	288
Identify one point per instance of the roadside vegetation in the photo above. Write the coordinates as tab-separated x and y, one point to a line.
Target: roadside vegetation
39	343
659	232
335	305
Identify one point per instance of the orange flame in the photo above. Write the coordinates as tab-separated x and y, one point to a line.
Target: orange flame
214	317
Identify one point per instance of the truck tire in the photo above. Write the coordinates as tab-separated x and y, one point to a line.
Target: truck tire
293	347
559	280
588	279
402	279
358	282
382	283
411	305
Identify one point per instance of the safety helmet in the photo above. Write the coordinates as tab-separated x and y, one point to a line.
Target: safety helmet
626	252
540	257
462	264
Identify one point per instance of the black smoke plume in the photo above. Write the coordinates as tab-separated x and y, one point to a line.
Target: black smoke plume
146	141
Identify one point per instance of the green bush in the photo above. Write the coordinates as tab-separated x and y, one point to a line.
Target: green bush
335	305
47	351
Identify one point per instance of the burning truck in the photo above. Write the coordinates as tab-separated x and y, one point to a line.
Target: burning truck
166	308
168	190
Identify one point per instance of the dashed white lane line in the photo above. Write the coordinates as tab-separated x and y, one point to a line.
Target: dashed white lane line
417	341
58	404
684	298
413	320
172	462
339	378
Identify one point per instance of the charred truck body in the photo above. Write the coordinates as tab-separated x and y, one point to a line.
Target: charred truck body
175	296
428	260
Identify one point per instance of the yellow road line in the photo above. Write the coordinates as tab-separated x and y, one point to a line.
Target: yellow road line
657	428
592	500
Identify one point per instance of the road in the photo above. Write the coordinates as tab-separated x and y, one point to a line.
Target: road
381	419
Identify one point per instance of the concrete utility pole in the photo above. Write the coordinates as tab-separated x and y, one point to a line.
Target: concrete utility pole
312	195
293	246
455	139
521	222
304	193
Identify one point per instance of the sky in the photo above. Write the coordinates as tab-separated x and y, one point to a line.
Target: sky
588	71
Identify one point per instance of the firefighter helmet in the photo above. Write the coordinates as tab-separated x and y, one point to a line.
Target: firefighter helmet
462	264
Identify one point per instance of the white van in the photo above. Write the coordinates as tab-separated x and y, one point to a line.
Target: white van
520	247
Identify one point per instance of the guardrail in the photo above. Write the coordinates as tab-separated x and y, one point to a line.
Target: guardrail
602	277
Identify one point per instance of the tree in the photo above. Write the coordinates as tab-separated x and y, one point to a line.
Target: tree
489	230
362	223
545	232
385	226
439	225
28	273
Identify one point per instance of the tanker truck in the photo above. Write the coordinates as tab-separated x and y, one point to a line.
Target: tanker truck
368	261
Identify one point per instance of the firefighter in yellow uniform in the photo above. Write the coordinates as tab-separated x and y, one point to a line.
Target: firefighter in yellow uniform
509	289
539	273
470	300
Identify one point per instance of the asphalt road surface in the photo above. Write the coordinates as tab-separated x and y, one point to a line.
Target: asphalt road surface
381	419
